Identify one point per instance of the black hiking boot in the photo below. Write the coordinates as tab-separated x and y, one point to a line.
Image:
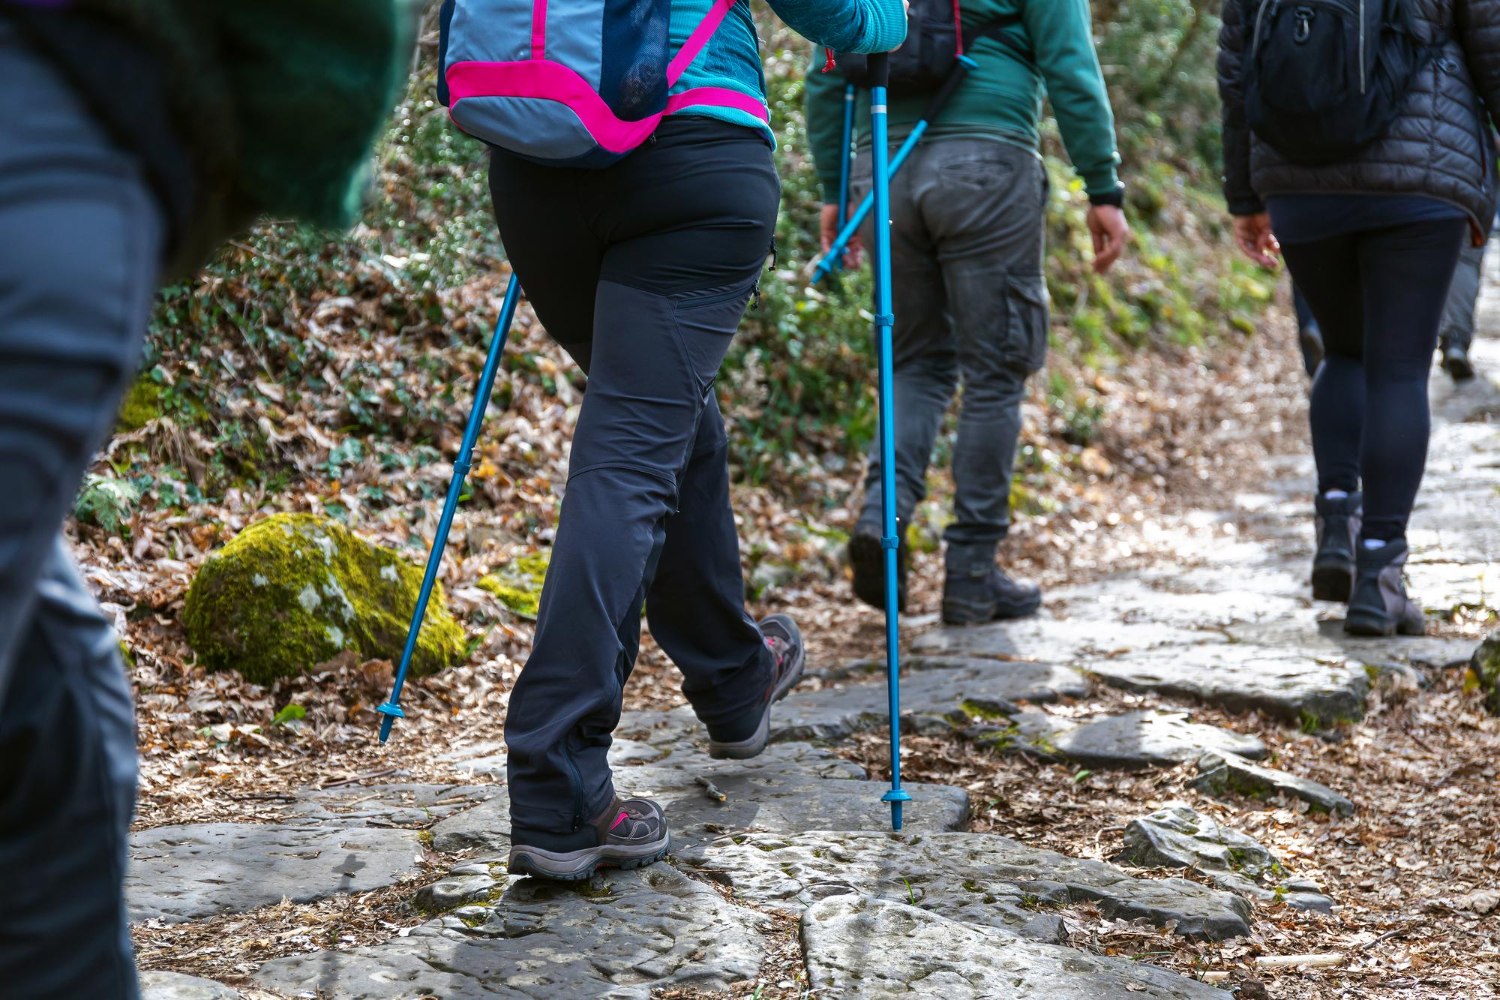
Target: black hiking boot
1380	605
975	590
789	657
1456	362
867	557
1338	537
629	834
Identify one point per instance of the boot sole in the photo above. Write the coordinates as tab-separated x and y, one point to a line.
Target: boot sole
957	613
1332	582
867	557
579	866
1379	626
756	744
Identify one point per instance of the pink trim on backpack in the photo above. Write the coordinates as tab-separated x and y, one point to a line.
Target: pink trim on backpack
697	40
539	29
551	81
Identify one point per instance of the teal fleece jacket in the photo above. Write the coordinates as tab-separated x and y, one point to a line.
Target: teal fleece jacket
1001	99
732	57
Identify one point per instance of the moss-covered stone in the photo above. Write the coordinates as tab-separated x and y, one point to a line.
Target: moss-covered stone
518	584
143	404
1486	667
294	590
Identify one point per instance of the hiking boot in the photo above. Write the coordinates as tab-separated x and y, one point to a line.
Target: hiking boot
789	656
867	557
1456	362
629	834
1338	537
975	590
1380	605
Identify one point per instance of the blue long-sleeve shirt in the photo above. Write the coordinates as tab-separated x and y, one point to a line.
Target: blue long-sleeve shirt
731	59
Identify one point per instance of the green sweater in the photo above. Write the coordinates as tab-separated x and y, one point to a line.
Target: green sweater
277	101
1001	99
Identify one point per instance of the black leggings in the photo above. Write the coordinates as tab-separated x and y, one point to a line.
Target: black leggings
1378	296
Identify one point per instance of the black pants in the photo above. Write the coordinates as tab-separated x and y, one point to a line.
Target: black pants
641	272
1378	296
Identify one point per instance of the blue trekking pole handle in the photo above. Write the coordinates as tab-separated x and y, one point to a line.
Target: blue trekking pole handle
884	322
834	258
391	710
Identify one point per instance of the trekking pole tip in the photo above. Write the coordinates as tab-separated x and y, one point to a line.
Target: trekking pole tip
391	712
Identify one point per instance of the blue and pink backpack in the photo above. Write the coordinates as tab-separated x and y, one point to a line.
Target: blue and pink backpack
576	83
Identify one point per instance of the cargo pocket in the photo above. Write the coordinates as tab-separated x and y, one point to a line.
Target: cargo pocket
1026	322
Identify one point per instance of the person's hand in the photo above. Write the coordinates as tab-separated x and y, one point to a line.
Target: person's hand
828	224
1110	232
1252	233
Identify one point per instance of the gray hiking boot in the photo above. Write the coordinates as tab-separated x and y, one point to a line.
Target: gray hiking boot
631	833
1380	605
788	659
975	590
1338	537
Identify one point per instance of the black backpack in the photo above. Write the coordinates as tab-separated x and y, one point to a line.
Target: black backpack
934	41
1326	78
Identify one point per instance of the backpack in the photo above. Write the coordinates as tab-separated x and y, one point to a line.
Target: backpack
576	83
934	41
1326	78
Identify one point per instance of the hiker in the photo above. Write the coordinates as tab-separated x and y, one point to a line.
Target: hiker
1456	332
640	269
1367	189
133	137
968	213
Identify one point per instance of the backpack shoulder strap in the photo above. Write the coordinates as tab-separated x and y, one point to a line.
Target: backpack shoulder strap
999	30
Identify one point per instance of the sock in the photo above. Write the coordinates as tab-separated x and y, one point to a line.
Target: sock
1374	543
1335	494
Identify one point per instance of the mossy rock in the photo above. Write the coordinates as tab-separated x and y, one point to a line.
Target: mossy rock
143	404
1486	667
295	590
518	584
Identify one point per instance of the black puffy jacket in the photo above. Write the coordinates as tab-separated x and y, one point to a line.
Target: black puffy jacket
1439	145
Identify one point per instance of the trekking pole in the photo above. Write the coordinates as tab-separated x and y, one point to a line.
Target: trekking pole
391	710
846	158
834	258
884	321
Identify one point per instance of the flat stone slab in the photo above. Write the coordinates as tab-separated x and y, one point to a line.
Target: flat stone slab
175	986
1283	683
931	690
1049	640
1178	836
1128	600
1325	640
860	948
180	873
790	788
1130	741
387	805
978	879
1221	774
624	935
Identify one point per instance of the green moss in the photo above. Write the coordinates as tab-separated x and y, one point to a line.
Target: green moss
127	656
518	584
294	590
143	404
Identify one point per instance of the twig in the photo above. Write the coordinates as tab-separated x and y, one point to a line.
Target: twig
712	790
356	779
1384	937
268	796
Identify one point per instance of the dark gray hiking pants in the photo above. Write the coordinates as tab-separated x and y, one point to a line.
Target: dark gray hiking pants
971	308
80	240
1457	328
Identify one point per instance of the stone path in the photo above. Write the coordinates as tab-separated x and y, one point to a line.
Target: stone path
802	834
